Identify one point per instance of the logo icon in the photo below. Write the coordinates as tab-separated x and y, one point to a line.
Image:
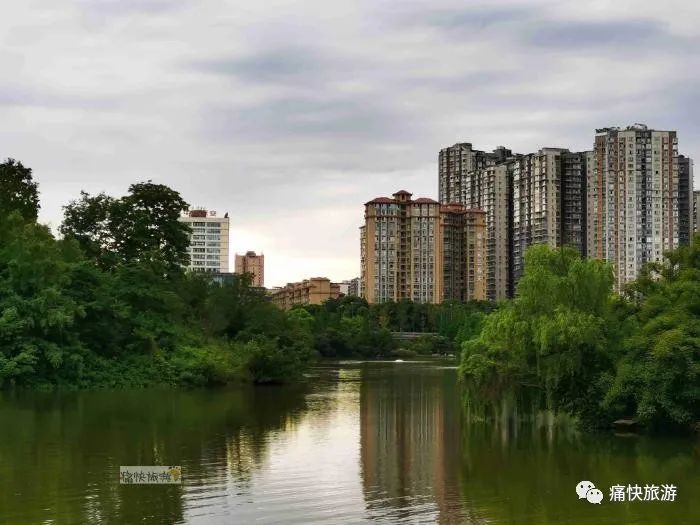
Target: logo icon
586	490
594	496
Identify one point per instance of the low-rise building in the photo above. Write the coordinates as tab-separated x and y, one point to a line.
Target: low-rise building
354	288
315	290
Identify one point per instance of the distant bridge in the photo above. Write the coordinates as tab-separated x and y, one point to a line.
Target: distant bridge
409	336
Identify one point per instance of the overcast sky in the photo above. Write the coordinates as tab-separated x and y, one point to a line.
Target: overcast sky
290	115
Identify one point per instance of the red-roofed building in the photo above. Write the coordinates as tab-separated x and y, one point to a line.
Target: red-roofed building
417	249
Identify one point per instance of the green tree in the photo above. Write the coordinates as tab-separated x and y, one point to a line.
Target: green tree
36	315
555	336
87	220
657	378
18	191
140	226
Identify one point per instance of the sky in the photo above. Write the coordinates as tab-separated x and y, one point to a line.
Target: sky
290	115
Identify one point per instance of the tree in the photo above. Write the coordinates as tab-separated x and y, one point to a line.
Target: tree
146	223
140	226
36	315
657	378
87	220
18	191
556	335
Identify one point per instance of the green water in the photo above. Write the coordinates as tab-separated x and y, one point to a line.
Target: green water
361	443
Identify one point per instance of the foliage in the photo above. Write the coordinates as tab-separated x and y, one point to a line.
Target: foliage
349	327
108	305
429	345
658	376
140	226
589	352
18	191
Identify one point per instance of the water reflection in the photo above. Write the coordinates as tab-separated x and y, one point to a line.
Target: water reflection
409	439
523	469
361	443
60	454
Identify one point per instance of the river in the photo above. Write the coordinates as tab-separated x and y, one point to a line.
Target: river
379	442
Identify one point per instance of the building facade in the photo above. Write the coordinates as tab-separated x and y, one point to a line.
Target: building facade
549	202
399	243
403	247
315	290
635	189
354	287
490	189
462	252
209	241
456	163
253	264
685	200
537	198
696	212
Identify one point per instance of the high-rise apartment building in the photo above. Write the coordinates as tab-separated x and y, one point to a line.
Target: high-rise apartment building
634	198
462	250
696	212
456	163
418	250
528	199
489	188
549	202
253	264
208	249
399	244
685	200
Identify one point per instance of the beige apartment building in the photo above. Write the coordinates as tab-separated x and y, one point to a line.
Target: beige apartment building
253	264
633	196
404	243
315	290
209	241
462	252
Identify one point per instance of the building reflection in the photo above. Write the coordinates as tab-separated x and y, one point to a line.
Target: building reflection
409	441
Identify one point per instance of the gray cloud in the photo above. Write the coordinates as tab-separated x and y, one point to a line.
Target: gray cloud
337	119
596	34
468	17
124	7
272	65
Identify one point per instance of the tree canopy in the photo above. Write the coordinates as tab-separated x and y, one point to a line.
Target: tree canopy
589	352
142	225
18	191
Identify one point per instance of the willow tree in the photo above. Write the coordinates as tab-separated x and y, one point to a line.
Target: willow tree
553	337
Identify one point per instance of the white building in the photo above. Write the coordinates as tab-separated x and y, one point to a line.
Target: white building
633	198
209	241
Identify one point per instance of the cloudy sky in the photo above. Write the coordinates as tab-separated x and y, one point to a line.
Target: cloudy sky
291	114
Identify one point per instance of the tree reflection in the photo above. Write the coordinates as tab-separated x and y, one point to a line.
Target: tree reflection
522	467
60	453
